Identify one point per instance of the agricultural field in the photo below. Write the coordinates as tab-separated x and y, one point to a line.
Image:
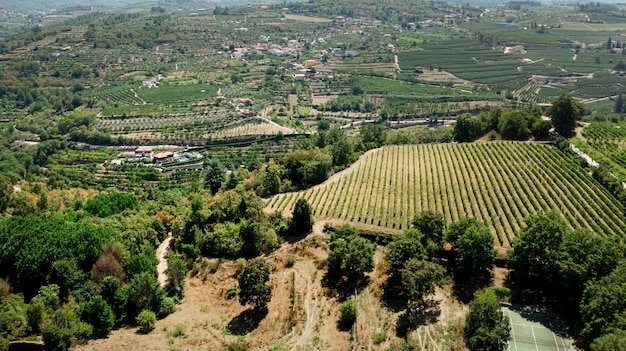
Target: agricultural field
605	142
497	183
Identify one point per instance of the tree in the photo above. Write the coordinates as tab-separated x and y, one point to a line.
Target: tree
214	176
467	128
619	103
458	228
431	225
6	189
302	220
564	113
610	342
404	247
420	277
252	284
99	314
475	253
486	328
347	313
351	257
535	248
602	302
146	320
271	179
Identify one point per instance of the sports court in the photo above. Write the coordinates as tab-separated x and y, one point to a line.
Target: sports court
536	328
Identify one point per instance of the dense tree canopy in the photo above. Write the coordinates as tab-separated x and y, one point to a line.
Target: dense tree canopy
253	288
564	113
486	328
420	277
34	248
351	257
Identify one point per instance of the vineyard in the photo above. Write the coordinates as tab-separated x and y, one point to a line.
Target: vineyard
497	183
606	141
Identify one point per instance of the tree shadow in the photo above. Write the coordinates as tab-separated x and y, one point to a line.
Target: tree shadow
247	320
341	288
465	285
417	314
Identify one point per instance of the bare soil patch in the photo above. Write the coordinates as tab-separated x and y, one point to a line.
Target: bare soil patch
302	315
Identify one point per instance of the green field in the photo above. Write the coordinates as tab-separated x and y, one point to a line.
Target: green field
498	183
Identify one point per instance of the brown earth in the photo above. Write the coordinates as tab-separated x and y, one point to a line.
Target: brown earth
302	314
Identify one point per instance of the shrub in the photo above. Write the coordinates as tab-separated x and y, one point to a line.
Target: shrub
56	339
178	332
99	314
236	347
289	261
146	320
347	313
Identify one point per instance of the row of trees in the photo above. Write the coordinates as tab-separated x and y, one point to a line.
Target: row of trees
521	124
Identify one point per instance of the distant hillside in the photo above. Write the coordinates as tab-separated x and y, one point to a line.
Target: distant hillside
38	5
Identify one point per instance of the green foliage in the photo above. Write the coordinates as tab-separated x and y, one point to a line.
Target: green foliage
99	314
115	296
419	277
602	302
514	125
351	257
347	313
302	220
498	293
403	248
373	135
458	228
486	328
253	288
105	205
431	225
6	190
145	294
535	246
306	168
4	344
34	314
176	271
475	253
406	345
214	176
615	340
32	246
13	317
146	320
236	347
56	339
468	128
564	113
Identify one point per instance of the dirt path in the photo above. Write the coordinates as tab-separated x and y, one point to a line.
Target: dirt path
161	254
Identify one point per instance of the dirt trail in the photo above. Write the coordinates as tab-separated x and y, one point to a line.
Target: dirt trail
161	254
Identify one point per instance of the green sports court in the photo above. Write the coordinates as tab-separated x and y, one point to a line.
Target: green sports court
536	328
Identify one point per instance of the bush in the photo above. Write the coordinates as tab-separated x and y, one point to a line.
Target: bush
146	320
56	339
236	347
105	205
99	314
347	313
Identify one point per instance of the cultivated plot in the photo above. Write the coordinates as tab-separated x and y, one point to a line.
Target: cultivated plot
535	328
498	183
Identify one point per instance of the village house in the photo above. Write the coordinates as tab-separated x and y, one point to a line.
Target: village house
162	157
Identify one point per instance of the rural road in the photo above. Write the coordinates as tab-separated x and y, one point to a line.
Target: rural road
161	254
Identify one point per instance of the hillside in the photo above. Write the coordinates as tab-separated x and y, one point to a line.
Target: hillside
496	183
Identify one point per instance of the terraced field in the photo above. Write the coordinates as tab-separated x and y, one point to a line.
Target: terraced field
498	183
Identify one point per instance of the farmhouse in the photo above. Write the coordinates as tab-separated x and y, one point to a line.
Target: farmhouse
143	153
163	156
